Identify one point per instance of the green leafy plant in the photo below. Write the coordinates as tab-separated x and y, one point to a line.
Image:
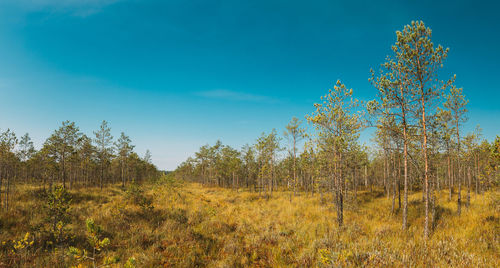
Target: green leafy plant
97	242
58	213
131	263
20	248
139	198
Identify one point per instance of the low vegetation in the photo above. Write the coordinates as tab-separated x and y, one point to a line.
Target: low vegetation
188	225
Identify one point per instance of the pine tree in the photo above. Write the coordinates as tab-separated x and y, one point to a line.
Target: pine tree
124	148
339	121
103	140
420	62
294	133
62	144
456	105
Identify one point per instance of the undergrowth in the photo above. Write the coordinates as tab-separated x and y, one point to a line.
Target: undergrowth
186	225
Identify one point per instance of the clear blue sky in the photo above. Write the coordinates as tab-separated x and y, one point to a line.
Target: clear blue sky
175	75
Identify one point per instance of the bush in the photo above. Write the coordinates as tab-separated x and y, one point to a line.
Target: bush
137	196
57	209
97	244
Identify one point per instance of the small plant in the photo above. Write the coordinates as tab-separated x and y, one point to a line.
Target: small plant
325	256
23	243
20	248
137	196
58	213
97	243
131	263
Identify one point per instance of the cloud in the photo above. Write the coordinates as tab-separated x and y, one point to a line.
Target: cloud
235	96
79	8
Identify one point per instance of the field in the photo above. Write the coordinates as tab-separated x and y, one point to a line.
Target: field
174	224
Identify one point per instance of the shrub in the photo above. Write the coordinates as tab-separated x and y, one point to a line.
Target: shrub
137	196
97	242
57	208
20	249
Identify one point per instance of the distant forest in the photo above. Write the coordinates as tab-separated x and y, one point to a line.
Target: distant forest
71	158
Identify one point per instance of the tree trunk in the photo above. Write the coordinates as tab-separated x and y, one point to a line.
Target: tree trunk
393	183
102	176
426	168
405	194
294	169
340	209
71	176
7	193
366	177
355	182
469	177
121	174
63	171
1	179
449	177
386	174
459	197
399	183
476	175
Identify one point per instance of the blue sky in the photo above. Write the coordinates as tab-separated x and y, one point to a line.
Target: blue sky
175	75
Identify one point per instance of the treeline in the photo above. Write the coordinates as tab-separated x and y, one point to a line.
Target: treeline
72	159
419	143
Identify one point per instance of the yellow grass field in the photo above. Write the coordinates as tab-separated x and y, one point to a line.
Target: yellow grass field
188	225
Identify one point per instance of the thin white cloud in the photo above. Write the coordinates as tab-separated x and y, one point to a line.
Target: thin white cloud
225	94
79	8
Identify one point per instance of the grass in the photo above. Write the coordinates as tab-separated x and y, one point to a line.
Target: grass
187	225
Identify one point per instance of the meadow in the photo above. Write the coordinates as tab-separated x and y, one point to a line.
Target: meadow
179	224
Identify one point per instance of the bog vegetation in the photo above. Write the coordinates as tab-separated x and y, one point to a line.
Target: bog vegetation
423	194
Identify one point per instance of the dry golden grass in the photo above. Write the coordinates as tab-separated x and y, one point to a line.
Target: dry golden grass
191	225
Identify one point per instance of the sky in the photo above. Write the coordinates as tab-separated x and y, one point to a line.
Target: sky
175	75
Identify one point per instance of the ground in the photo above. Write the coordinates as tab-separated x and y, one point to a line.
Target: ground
187	225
